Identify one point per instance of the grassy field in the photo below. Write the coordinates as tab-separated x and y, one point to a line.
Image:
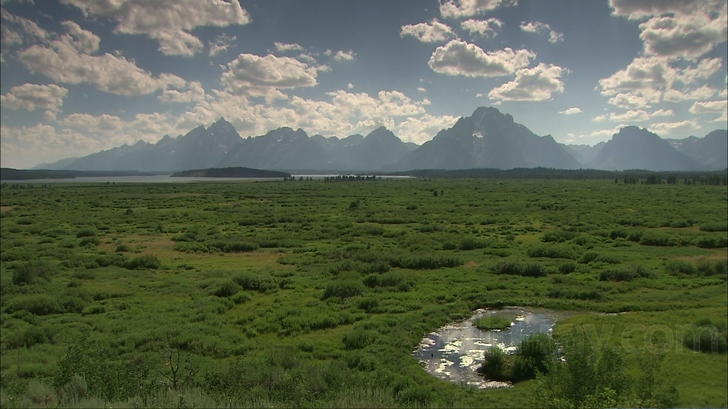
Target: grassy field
313	293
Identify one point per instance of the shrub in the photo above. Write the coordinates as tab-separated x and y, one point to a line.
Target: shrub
488	323
145	261
368	304
33	272
628	273
40	395
343	289
708	242
713	227
710	268
226	289
657	239
588	257
568	267
518	268
93	241
426	262
705	336
358	339
86	233
34	335
251	282
240	298
122	248
495	364
680	266
533	356
34	304
551	251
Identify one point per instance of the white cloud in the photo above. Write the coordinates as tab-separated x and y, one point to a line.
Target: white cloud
646	79
639	9
345	56
571	111
26	27
62	62
195	92
433	32
712	107
460	58
82	40
349	86
283	47
93	124
421	89
423	128
662	112
221	44
469	8
249	72
704	92
170	22
630	116
683	36
539	27
531	84
486	28
32	96
600	118
663	128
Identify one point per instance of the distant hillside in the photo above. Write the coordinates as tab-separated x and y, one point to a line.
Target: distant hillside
487	139
710	151
235	172
638	148
30	174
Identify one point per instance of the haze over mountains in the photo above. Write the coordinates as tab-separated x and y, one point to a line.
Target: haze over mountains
486	139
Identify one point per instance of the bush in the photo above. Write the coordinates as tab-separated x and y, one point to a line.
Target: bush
33	272
358	339
533	356
368	304
495	365
680	266
428	262
657	239
705	336
714	227
708	242
344	289
568	267
624	274
518	268
251	282
93	241
552	251
588	257
145	261
711	268
86	233
34	304
226	289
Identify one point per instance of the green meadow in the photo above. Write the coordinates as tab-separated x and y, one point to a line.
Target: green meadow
315	293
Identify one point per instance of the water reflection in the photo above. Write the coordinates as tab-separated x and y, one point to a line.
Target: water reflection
455	351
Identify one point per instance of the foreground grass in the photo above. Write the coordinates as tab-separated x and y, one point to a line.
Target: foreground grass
315	294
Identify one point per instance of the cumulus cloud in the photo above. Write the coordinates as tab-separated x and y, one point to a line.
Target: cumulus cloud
432	32
283	47
250	74
571	111
345	56
639	9
421	129
194	92
531	84
32	96
24	28
62	62
630	116
646	79
711	107
600	118
539	27
485	28
704	92
460	58
469	8
82	40
170	22
662	128
221	44
93	124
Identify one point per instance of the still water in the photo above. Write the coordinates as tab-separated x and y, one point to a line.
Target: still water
455	351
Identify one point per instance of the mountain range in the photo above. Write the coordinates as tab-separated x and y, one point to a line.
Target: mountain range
486	139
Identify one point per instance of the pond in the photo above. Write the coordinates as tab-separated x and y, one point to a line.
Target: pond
455	351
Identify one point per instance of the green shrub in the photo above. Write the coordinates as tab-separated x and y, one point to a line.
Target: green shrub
628	273
226	289
711	268
552	251
533	356
368	304
343	289
145	261
33	335
495	365
680	266
425	262
33	272
657	239
86	241
240	298
122	248
705	336
86	233
358	339
518	268
567	267
588	257
251	282
489	322
708	242
34	304
714	227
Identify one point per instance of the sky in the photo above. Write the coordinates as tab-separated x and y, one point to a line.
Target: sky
80	76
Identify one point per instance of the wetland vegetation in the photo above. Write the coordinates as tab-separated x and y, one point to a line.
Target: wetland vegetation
308	293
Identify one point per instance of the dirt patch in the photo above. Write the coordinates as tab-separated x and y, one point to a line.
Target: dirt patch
471	264
4	209
717	255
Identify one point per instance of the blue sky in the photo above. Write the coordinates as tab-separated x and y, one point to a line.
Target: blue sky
79	76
